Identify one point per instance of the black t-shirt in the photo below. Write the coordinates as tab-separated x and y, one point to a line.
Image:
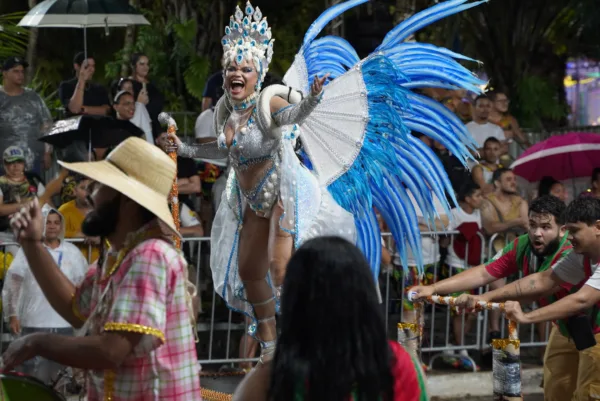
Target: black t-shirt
214	87
95	95
457	172
186	168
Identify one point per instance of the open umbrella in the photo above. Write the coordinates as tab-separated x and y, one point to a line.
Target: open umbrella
103	132
562	157
569	158
83	14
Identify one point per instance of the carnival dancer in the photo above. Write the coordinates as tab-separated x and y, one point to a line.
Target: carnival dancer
134	306
544	244
309	162
572	359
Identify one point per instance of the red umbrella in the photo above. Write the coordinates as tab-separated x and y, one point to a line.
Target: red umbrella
562	157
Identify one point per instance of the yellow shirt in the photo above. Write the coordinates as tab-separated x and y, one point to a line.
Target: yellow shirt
73	219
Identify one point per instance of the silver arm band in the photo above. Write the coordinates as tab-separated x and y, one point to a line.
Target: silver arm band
296	113
209	150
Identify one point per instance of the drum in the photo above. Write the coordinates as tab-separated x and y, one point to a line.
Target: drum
19	387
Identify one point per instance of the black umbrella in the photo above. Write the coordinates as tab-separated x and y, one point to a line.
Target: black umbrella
103	132
83	14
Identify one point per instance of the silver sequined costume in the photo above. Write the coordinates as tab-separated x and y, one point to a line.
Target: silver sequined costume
266	170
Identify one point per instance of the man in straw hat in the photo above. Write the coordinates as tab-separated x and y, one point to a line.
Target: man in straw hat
134	305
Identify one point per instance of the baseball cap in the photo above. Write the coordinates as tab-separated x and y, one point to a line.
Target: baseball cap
12	62
13	154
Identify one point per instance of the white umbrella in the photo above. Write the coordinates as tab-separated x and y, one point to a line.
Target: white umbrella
83	14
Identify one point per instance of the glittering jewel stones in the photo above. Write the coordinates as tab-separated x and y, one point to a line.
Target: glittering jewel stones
247	103
248	36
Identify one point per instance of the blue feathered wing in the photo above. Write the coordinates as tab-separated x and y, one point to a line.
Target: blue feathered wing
357	142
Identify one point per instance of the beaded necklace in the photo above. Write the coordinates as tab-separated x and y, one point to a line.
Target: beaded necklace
246	103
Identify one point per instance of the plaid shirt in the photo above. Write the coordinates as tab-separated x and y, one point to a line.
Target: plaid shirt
148	298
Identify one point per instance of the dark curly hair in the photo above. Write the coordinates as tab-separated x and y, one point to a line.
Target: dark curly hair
549	204
333	339
583	210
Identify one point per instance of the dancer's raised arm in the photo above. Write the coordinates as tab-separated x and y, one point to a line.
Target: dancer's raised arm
287	114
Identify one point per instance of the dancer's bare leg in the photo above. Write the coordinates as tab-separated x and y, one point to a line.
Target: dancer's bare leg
248	347
281	245
253	268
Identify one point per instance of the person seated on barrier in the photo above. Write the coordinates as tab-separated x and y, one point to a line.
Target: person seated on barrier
74	213
134	307
25	306
568	374
464	252
333	343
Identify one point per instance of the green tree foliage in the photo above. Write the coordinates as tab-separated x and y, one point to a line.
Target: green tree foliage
13	39
524	47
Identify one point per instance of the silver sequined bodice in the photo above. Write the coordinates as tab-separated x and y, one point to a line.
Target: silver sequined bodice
250	146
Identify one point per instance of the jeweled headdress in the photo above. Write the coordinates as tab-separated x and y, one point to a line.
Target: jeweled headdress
248	37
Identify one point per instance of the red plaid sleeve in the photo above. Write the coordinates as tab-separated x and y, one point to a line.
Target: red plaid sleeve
140	303
82	299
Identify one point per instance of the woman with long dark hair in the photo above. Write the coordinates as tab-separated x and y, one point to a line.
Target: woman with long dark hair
153	98
333	344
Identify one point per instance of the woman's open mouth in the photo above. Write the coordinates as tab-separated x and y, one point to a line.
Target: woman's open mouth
237	87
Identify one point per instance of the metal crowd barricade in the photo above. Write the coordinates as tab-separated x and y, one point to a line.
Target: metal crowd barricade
220	330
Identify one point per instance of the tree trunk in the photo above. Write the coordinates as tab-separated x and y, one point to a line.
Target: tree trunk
32	48
128	44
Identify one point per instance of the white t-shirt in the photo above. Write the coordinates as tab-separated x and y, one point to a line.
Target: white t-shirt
204	125
429	245
571	270
33	310
141	119
481	132
459	217
188	217
204	128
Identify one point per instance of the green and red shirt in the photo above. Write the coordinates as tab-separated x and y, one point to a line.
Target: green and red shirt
518	257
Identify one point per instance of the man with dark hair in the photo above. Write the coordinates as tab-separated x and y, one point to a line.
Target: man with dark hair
529	253
504	210
568	374
24	117
81	96
480	128
482	173
594	190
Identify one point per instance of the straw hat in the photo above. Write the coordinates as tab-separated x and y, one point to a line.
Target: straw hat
137	169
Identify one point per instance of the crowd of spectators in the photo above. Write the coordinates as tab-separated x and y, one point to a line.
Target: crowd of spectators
489	205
